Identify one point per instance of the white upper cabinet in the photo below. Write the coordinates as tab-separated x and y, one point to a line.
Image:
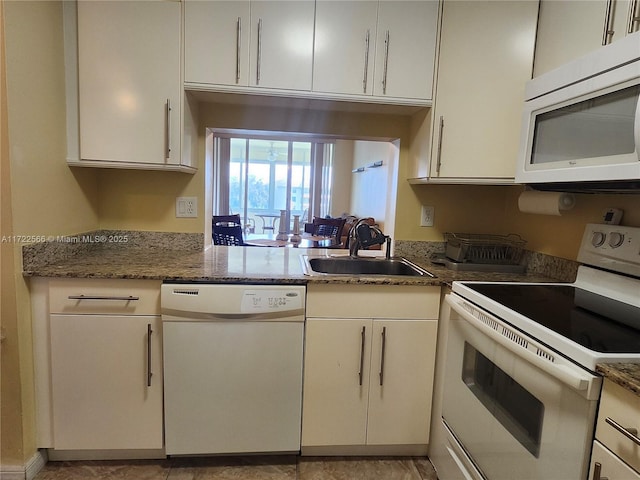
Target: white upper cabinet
405	49
384	49
344	48
216	38
281	44
266	44
129	83
485	58
568	29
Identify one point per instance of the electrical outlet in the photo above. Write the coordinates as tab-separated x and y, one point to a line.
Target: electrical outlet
426	216
186	207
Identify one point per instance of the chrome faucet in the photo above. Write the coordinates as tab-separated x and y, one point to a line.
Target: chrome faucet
363	235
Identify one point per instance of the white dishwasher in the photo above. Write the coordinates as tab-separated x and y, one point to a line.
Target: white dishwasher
232	367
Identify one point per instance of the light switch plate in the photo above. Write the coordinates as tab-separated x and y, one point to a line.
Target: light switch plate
186	207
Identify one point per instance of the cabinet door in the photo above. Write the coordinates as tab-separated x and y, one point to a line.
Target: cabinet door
216	42
281	50
100	380
486	56
405	49
568	29
402	369
129	81
344	52
336	381
611	467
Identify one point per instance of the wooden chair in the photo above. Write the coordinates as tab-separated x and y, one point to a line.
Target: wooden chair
227	230
328	227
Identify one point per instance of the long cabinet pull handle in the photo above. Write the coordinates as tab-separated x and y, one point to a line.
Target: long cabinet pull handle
149	373
607	34
634	17
238	40
366	62
259	56
439	154
362	343
630	433
167	142
386	63
128	298
382	355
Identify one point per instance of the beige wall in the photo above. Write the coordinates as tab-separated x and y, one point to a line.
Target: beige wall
494	209
145	200
341	195
47	198
370	188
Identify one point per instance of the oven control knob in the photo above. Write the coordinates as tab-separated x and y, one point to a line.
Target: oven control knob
597	239
616	239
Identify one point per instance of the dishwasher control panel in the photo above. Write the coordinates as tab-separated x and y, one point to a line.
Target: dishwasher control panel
232	299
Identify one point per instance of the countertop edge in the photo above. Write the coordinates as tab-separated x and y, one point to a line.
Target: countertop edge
626	375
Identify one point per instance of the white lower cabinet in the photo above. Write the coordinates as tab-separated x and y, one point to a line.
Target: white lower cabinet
616	450
103	395
610	466
105	367
369	368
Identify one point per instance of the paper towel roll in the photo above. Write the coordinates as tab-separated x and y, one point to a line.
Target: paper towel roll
545	203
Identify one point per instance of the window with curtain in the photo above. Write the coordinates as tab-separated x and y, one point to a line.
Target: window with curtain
258	177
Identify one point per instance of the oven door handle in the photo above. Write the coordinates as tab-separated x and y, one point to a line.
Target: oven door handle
562	373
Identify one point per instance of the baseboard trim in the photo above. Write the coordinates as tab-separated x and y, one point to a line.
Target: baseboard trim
24	472
418	450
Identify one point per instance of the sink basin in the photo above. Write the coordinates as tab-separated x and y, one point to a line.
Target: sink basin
362	266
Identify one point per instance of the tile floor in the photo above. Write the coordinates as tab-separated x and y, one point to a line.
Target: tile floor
245	468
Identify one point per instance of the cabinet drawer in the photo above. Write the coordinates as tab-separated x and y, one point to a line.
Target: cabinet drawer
405	302
622	407
104	296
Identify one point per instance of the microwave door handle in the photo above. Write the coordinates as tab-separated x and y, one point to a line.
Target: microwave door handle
562	373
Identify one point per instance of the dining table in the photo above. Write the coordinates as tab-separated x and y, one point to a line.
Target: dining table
306	240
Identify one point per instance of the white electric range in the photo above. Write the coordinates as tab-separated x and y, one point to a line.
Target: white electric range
519	388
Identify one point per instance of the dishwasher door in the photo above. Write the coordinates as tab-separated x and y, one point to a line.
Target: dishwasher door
233	381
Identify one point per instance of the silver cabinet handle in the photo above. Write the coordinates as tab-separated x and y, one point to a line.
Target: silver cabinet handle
362	340
630	433
439	154
384	349
167	144
607	34
597	468
149	374
634	17
128	298
386	63
238	40
366	62
258	58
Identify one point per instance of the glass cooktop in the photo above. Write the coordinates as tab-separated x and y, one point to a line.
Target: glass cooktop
591	320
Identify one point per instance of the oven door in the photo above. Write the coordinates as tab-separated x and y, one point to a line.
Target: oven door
512	407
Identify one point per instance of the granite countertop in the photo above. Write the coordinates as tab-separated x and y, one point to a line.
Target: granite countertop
234	264
627	375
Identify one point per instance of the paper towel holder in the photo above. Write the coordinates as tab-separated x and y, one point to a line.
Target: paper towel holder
545	203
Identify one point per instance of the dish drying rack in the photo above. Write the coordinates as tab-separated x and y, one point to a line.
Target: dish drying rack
485	248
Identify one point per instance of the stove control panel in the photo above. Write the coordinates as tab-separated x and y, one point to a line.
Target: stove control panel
612	247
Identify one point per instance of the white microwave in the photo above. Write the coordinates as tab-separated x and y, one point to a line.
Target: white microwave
581	123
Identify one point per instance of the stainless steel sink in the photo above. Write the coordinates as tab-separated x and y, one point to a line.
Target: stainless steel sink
362	266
